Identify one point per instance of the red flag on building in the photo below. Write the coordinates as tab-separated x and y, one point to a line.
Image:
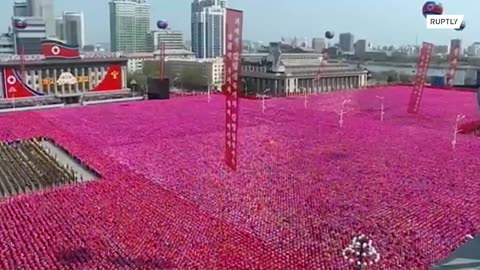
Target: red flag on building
422	68
452	65
232	61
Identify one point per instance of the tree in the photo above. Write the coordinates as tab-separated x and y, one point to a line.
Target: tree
193	79
151	68
140	79
405	78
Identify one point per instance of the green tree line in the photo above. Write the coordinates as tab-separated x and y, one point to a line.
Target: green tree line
188	78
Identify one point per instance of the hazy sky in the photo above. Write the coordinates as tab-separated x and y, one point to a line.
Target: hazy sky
379	21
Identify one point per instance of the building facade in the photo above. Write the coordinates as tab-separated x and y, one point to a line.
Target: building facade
474	50
318	44
60	28
297	72
456	43
208	28
57	74
129	25
27	40
7	45
346	42
74	28
20	9
173	40
136	60
361	47
43	9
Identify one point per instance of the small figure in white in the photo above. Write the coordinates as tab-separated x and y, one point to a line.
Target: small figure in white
382	107
342	112
456	130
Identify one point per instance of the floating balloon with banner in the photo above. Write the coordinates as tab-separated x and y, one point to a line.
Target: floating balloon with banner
18	23
462	26
329	34
432	8
162	24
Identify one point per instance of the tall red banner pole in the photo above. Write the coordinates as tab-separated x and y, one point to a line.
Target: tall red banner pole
231	88
452	66
422	68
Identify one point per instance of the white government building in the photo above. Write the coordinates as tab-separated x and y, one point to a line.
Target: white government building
284	73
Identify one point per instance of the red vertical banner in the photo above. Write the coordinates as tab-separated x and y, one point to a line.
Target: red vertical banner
452	65
422	68
232	58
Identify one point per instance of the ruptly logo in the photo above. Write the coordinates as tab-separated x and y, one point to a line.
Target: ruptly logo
444	21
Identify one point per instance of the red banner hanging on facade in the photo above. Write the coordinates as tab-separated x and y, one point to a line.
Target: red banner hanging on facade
232	58
422	68
452	65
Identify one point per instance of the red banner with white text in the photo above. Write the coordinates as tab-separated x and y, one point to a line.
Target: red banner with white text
232	58
422	68
452	65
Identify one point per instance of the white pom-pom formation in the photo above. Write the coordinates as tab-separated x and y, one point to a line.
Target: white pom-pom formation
361	252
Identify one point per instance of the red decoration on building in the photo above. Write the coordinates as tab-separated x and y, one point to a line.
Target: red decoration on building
452	66
54	49
234	30
112	81
15	87
422	68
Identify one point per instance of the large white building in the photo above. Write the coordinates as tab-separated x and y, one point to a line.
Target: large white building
7	46
346	42
28	39
474	49
285	73
318	44
173	40
74	28
43	9
71	28
60	28
136	60
129	25
208	28
20	9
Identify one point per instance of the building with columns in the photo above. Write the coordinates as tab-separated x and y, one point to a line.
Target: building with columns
285	73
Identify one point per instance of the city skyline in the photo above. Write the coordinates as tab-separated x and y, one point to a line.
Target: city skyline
268	20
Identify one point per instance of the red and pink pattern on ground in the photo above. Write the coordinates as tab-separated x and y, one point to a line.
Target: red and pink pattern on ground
303	189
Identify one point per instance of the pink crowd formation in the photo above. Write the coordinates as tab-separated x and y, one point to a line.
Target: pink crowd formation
304	186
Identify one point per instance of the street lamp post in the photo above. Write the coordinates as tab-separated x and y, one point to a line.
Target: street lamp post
133	83
209	98
181	82
305	97
12	90
263	98
209	92
174	80
382	107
